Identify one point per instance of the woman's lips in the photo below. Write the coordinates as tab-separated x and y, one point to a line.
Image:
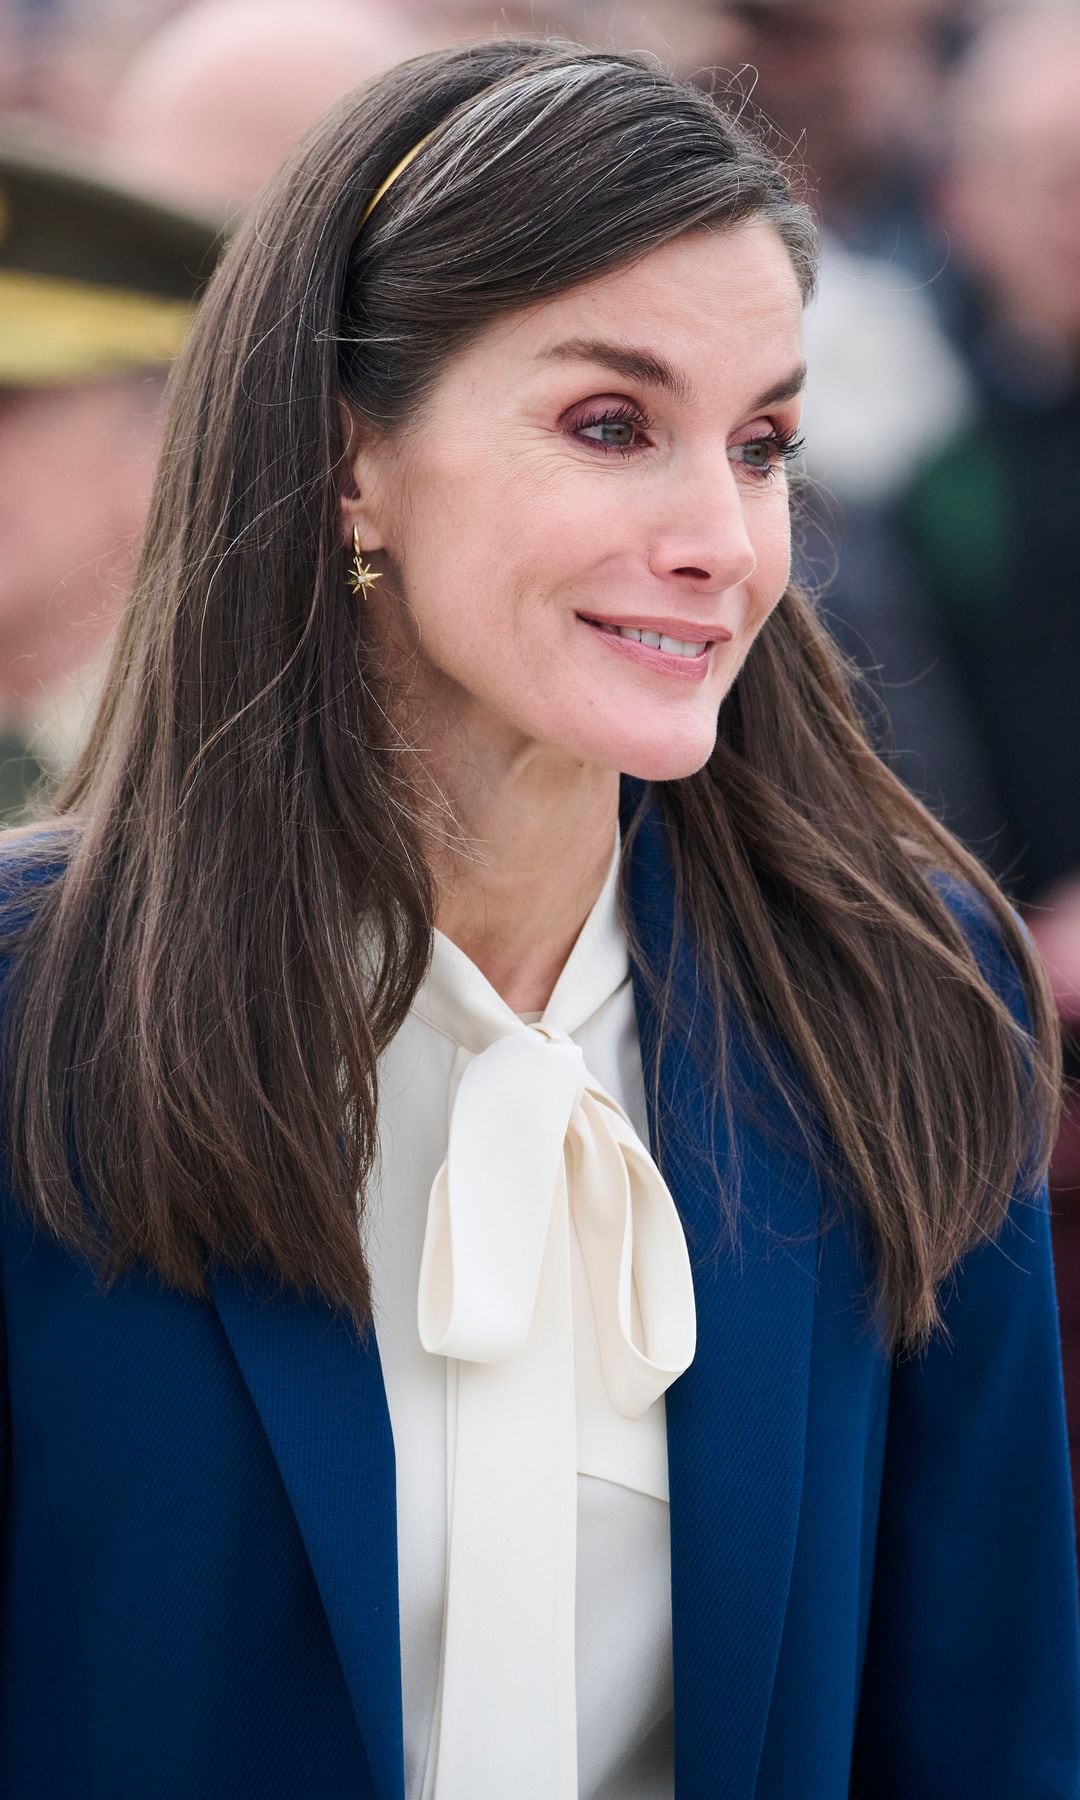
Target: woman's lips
685	668
688	631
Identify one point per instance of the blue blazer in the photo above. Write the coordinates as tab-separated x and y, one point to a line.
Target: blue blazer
872	1562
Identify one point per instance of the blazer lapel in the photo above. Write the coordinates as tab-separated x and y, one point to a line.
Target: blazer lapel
737	1418
319	1393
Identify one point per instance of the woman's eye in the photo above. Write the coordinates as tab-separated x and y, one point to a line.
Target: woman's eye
766	456
612	430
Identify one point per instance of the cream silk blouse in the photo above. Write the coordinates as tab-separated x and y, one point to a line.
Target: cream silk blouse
533	1301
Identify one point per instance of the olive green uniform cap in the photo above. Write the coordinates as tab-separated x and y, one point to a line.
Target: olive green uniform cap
94	279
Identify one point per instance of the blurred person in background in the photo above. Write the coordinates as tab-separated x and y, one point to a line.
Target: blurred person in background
991	524
208	106
990	521
858	85
97	287
97	291
1008	200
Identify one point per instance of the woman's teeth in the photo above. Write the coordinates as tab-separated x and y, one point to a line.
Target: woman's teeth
654	640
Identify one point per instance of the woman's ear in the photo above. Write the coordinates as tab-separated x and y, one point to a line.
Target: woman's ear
359	482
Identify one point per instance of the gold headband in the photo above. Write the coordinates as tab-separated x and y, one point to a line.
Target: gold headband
391	178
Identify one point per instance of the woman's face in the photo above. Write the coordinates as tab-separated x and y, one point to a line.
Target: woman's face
610	458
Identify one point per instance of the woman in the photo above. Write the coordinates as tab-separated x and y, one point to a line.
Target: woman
678	1411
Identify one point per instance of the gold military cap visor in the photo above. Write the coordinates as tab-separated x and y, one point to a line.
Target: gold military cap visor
94	280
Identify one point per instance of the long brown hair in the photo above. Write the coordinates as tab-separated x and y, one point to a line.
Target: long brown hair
194	1026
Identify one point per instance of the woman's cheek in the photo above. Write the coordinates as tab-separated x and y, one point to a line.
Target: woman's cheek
773	570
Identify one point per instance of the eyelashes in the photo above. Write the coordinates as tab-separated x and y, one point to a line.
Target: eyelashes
782	447
789	443
785	446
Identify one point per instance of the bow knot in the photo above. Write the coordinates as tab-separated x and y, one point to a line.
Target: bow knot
530	1126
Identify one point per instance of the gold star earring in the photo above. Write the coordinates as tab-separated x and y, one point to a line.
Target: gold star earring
361	576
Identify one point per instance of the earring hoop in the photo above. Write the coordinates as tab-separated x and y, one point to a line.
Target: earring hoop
361	575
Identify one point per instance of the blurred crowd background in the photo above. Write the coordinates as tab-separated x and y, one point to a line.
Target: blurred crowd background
939	524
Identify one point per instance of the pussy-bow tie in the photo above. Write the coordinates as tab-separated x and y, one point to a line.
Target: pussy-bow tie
536	1149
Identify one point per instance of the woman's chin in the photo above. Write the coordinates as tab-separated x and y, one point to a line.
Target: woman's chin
659	754
665	757
664	768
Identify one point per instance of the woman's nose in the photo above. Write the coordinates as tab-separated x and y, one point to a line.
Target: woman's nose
703	534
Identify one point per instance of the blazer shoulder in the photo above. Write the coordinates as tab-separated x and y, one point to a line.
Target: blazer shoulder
32	859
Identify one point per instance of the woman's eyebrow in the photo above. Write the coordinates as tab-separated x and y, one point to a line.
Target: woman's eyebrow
623	359
784	390
653	370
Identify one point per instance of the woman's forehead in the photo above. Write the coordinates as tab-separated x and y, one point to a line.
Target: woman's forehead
688	306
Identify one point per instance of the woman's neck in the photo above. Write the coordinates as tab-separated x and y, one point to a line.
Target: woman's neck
541	843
